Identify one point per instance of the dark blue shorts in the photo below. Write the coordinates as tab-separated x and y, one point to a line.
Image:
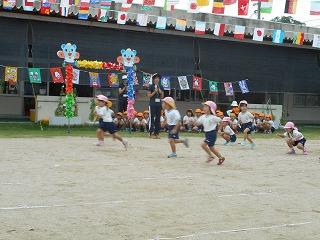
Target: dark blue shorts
211	138
171	135
107	126
247	125
233	138
302	141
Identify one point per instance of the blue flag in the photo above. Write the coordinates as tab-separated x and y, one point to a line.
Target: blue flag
165	82
278	36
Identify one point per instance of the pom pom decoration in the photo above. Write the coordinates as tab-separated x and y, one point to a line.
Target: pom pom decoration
99	65
69	101
128	59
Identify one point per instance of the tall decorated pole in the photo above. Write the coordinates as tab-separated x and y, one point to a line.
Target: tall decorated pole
128	59
69	53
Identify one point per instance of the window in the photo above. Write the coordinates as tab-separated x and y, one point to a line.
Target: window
306	100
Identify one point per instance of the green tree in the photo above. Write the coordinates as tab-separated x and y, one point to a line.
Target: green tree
59	112
285	19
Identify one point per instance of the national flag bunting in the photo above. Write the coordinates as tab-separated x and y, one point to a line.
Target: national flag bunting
105	6
315	7
34	75
219	29
213	87
8	4
200	28
56	75
169	4
183	83
84	10
122	18
161	23
28	5
45	7
181	24
239	32
298	38
148	2
228	88
146	79
316	41
258	34
142	20
291	6
243	7
125	7
197	83
278	36
243	86
64	8
266	7
218	7
165	83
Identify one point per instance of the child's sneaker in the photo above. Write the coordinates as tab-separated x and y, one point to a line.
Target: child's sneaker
173	155
243	143
252	145
125	143
210	159
221	160
186	142
291	151
225	143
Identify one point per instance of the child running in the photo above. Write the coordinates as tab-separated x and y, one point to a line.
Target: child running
210	123
174	122
294	138
245	119
106	123
226	131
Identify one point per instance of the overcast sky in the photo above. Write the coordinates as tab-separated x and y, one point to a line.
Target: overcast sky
303	10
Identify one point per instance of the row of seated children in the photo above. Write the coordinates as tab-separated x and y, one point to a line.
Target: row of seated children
140	123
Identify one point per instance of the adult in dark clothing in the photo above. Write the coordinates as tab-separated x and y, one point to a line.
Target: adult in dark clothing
123	97
155	93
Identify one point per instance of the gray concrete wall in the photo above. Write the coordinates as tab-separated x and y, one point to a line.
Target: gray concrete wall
11	106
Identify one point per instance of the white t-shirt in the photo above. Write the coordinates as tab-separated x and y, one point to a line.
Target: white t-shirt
173	117
271	123
227	129
245	117
188	120
105	113
136	121
235	122
209	122
116	121
295	135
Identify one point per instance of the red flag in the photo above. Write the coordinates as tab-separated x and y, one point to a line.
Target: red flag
229	2
243	7
197	83
218	7
56	75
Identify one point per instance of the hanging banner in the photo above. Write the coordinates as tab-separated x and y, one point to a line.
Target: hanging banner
122	18
181	25
243	7
229	2
142	20
34	75
45	7
147	79
239	32
200	28
11	74
183	83
28	5
197	83
165	82
316	41
56	75
243	86
94	79
84	10
291	6
76	76
8	4
148	2
278	36
193	6
298	38
315	7
266	7
218	7
228	88
219	29
113	80
169	4
203	3
213	87
64	8
105	6
258	34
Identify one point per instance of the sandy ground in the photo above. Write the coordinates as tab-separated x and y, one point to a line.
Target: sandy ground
66	188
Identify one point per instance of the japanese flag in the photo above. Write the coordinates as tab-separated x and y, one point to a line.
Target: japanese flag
122	18
258	34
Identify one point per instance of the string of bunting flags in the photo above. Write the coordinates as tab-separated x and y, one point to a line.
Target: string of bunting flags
103	10
113	79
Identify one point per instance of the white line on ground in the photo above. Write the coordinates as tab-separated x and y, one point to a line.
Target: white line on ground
21	207
9	183
235	230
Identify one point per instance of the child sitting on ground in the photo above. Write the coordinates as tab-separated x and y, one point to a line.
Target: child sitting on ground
139	123
269	124
198	114
188	121
294	138
234	123
118	121
226	131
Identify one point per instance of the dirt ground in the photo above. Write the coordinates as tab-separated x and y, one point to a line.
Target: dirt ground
68	189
